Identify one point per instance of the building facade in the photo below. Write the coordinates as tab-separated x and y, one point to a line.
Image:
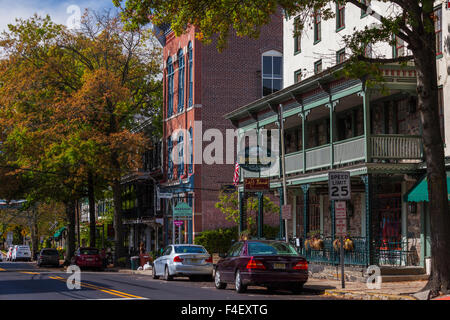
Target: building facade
336	124
200	85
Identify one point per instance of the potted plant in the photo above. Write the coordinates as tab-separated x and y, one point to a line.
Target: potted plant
348	244
314	240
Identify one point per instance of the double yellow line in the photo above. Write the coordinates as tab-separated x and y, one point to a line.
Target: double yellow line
102	289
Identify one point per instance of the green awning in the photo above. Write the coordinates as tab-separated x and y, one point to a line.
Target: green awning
419	192
59	232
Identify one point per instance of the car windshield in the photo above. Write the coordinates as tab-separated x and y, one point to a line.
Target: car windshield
271	248
50	252
189	249
88	251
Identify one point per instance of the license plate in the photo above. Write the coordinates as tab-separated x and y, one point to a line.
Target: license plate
279	266
195	260
89	259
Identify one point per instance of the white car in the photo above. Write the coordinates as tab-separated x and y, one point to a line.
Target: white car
21	253
185	260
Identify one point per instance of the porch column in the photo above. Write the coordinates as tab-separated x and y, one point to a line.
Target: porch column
332	106
241	212
281	230
189	222
305	189
367	179
294	215
404	219
303	115
366	112
260	215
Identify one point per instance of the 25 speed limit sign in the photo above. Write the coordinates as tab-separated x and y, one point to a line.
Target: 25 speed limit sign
339	185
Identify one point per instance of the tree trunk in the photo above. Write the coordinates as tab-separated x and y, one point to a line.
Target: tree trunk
92	224
118	227
427	91
34	233
70	245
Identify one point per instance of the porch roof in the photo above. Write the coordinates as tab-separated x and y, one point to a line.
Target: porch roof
419	192
394	75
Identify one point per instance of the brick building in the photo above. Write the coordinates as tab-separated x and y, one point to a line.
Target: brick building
201	84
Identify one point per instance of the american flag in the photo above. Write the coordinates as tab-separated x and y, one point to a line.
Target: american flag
236	174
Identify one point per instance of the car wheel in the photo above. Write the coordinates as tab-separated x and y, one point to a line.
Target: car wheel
271	289
154	276
297	288
217	281
167	276
240	288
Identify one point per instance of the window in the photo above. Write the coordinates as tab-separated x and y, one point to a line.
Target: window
297	36
272	72
189	249
190	60
340	16
438	29
363	12
340	56
180	155
180	81
169	159
317	27
271	248
191	151
368	51
297	76
170	74
318	66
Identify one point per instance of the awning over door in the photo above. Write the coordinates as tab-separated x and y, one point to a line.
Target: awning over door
419	192
59	232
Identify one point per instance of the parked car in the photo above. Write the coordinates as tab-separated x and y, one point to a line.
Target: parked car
21	253
183	260
9	254
48	256
268	263
1	256
88	258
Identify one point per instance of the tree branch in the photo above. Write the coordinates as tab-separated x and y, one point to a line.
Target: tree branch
382	60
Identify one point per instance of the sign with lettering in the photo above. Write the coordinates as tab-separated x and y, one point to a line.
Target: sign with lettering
286	212
182	209
178	223
256	184
339	185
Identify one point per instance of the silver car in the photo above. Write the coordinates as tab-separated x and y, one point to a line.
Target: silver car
184	260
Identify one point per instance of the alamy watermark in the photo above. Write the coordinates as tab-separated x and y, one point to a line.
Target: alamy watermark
73	22
374	280
74	280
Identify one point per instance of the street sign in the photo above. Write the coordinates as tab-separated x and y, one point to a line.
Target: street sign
339	185
178	223
340	212
286	212
182	209
256	184
165	195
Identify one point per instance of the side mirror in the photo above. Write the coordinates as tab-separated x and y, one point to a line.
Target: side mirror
222	255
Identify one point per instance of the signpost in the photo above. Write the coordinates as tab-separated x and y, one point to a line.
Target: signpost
182	211
339	188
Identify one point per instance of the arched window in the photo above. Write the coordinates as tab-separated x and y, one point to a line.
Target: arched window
191	151
169	159
190	60
180	80
180	155
170	74
272	73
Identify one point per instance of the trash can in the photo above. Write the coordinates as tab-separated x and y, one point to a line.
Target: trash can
134	262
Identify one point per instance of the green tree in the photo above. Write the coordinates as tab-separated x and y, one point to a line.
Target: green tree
228	204
412	21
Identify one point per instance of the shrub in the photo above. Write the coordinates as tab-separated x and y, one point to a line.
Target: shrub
217	241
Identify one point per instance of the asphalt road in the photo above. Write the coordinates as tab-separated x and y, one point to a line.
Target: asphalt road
24	281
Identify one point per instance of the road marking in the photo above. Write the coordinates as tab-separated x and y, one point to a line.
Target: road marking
29	272
102	289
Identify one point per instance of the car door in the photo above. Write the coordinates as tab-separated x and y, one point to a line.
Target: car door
228	263
160	261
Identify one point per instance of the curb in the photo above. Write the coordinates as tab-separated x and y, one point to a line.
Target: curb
358	295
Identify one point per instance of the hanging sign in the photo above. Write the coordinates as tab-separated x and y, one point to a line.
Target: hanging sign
339	185
340	212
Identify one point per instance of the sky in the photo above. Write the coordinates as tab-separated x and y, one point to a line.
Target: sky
61	11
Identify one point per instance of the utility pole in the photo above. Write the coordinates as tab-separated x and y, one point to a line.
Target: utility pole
283	162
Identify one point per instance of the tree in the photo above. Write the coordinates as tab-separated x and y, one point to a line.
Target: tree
412	21
68	119
228	204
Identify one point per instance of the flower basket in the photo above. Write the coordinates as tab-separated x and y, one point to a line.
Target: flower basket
348	244
337	244
317	244
307	244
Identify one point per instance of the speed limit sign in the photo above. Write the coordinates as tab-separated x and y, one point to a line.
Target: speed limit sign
339	185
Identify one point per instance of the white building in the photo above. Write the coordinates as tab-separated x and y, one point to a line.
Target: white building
321	46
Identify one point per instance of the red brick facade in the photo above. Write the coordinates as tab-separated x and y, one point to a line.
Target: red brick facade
221	83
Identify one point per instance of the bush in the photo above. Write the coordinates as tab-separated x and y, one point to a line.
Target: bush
217	241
